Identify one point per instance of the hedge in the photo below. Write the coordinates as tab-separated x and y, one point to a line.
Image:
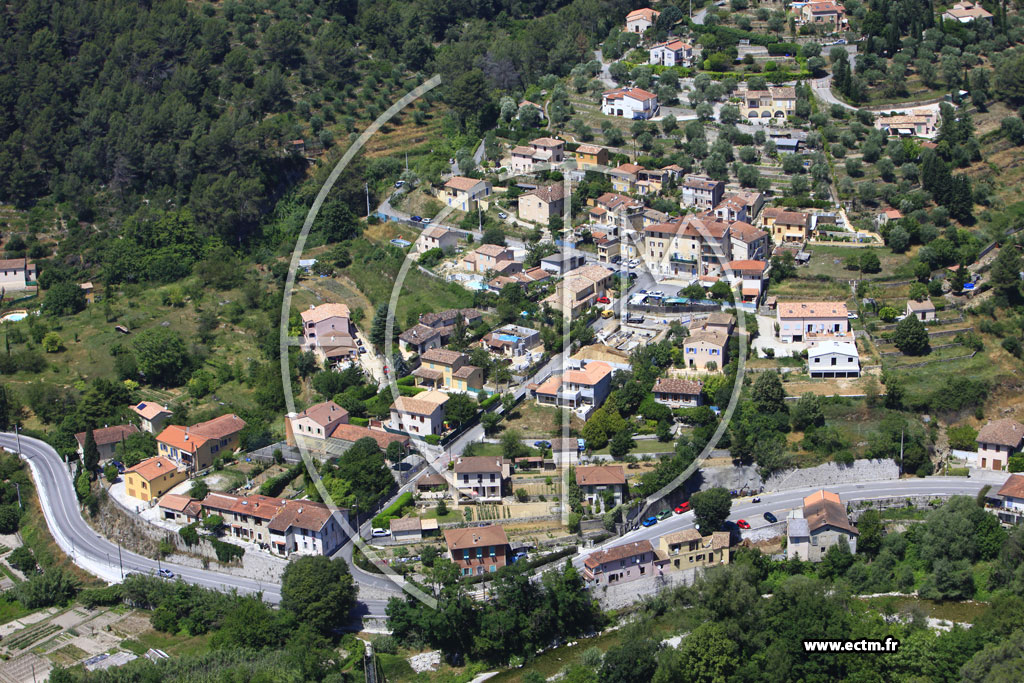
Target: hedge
272	487
432	439
226	552
407	381
359	421
410	391
489	401
393	511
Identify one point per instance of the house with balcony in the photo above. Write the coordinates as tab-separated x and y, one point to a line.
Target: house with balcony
194	448
752	275
678	393
826	13
629	103
751	202
328	332
811	320
687	549
583	388
997	441
437	237
786	226
285	527
579	290
539	153
672	52
607	249
450	371
817	526
464	193
706	350
543	203
1011	500
764	106
701	192
622	563
831	358
480	479
478	550
600	482
106	439
510	341
616	213
624	177
919	123
419	415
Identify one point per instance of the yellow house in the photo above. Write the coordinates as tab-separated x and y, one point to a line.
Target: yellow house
449	370
687	549
591	154
152	478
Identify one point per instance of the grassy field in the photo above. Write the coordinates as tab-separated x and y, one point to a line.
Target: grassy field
803	289
830	259
535	421
175	645
646	446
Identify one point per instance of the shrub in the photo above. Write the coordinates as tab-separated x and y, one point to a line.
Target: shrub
227	552
432	439
22	559
189	535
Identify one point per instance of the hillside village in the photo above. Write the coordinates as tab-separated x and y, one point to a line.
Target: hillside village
726	304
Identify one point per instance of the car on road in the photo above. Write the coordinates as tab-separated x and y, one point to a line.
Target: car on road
742	523
642	291
632	276
542	444
664	514
607	313
166	573
770	518
378	532
426	220
603	300
416	219
650	521
682	507
400	183
502	215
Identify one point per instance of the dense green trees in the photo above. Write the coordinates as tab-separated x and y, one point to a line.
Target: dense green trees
910	336
711	508
319	591
161	355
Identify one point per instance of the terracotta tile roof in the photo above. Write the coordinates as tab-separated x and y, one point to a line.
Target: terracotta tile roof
493	250
601	475
148	411
326	414
264	507
824	508
548	193
701	182
634	93
13	263
549	387
419	333
475	537
462	183
173	501
643	13
674	45
465	371
619	552
300	514
443	356
432	479
424	403
684	536
592	272
668	385
746	232
591	373
325	311
720	318
353	433
626	169
812	309
151	468
1005	432
547	142
707	335
784	217
588	149
720	540
479	464
1013	488
427	373
747	265
522	150
181	438
108	435
436	232
220	427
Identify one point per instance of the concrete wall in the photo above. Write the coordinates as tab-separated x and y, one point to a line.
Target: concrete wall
619	595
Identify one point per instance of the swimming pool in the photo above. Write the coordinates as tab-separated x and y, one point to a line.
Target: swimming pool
508	338
15	316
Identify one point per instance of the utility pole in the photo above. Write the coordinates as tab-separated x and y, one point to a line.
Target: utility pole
18	489
119	562
17	435
901	452
367	187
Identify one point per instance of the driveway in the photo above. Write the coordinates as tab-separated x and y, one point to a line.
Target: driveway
766	339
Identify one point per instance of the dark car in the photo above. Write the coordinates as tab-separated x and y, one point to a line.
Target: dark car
682	507
416	219
650	521
542	444
119	465
769	517
742	523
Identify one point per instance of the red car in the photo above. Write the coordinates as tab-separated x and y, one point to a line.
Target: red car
743	524
603	300
682	507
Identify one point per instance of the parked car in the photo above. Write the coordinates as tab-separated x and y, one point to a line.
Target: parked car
650	521
399	183
518	556
603	300
416	219
664	514
166	573
542	444
502	215
119	465
742	523
851	315
426	220
770	518
607	313
682	507
377	532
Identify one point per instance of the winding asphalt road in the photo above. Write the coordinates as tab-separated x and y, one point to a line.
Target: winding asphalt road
97	555
782	502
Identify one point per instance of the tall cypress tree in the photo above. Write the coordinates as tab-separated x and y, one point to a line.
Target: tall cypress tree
90	452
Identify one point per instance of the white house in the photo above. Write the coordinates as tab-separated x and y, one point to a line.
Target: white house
1012	494
629	103
922	310
419	415
804	321
480	479
966	13
597	480
997	441
16	273
671	53
464	193
831	358
639	20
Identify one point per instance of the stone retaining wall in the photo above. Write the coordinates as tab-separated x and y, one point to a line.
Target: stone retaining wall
620	595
